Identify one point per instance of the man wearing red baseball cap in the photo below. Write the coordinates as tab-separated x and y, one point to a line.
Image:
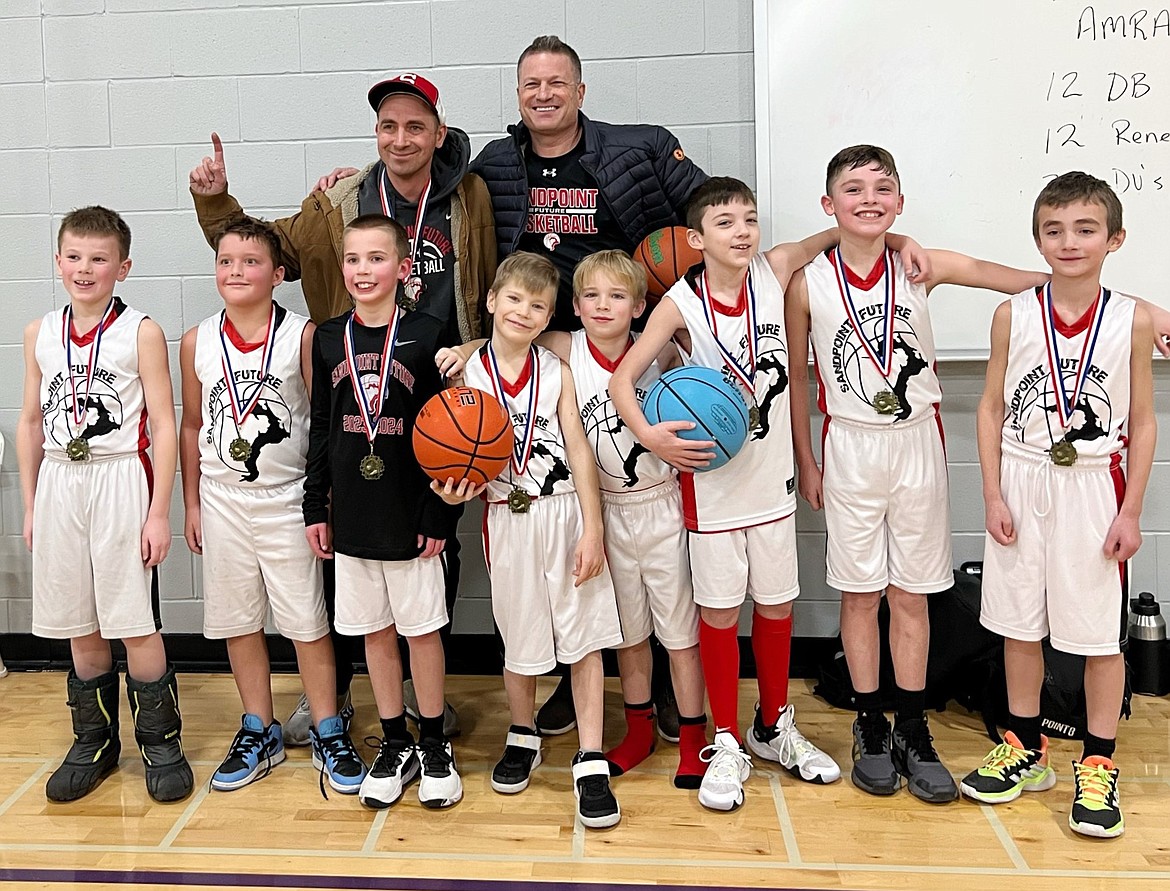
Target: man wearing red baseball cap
420	179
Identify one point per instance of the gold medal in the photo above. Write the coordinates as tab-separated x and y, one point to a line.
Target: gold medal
753	418
1063	453
78	449
885	402
372	467
519	501
240	449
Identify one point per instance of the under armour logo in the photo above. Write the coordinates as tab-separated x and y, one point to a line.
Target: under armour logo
550	171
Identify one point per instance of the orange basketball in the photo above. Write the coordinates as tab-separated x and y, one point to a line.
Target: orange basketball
665	255
463	433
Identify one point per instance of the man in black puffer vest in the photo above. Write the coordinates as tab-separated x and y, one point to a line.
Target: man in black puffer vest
565	187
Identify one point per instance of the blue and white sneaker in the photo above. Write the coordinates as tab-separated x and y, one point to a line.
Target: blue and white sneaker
335	756
253	753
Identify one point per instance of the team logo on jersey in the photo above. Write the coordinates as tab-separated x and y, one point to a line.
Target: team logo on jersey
102	415
270	422
545	474
854	373
551	240
1033	404
771	371
615	447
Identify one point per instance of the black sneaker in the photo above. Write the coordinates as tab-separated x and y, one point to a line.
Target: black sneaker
596	806
1096	809
392	771
666	713
558	714
521	757
873	765
915	758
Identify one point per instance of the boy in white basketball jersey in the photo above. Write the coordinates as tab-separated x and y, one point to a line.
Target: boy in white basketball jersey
96	391
1069	385
884	469
729	314
243	440
367	506
645	539
552	596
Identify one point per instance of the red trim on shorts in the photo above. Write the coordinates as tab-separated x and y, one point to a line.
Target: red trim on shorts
487	551
1118	476
686	482
820	384
143	445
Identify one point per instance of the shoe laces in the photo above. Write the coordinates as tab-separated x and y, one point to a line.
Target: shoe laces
875	736
435	757
1095	785
1003	758
594	788
333	749
919	741
246	742
725	761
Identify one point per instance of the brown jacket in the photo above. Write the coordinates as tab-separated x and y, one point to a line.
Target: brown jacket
311	242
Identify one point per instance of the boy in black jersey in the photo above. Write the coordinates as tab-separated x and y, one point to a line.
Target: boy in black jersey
368	507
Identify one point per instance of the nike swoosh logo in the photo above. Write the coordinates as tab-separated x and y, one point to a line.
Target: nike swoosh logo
405	342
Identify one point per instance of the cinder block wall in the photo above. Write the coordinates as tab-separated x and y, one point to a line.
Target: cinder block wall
112	102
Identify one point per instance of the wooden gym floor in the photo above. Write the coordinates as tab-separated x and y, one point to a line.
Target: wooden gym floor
280	832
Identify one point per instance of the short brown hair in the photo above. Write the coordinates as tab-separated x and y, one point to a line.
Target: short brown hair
550	43
716	192
1078	186
860	156
616	264
99	221
524	269
251	229
391	227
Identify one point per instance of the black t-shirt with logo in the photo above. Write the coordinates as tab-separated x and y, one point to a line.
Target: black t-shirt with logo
434	261
568	219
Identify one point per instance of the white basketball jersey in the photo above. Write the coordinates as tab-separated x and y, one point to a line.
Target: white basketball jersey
623	463
847	378
277	428
758	485
1031	417
111	416
547	471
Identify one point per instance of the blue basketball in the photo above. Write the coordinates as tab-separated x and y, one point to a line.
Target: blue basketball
701	395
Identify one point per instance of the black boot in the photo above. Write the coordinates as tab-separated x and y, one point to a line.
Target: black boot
96	747
157	727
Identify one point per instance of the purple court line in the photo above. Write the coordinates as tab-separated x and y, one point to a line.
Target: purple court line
343	883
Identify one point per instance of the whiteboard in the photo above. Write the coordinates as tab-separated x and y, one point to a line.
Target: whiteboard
980	101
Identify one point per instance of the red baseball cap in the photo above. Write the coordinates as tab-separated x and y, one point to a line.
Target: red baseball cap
413	85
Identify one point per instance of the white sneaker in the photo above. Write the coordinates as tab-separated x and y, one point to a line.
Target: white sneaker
784	743
392	771
728	767
439	784
296	728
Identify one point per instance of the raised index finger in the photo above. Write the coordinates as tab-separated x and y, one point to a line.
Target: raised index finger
217	147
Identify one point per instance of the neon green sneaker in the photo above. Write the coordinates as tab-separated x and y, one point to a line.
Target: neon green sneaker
1096	809
1008	770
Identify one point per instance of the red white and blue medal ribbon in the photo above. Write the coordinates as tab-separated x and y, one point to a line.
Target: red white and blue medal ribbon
746	374
241	410
80	407
522	451
371	414
413	285
883	356
1066	402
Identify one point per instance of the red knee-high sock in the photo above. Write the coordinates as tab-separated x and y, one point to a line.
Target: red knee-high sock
772	647
692	739
719	652
639	740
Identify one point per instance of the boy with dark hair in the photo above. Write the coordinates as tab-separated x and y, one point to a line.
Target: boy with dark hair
1069	385
96	391
243	440
883	457
368	508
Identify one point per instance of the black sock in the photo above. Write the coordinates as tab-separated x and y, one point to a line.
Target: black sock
1099	746
1027	730
430	728
522	730
869	706
684	721
639	706
909	705
395	729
